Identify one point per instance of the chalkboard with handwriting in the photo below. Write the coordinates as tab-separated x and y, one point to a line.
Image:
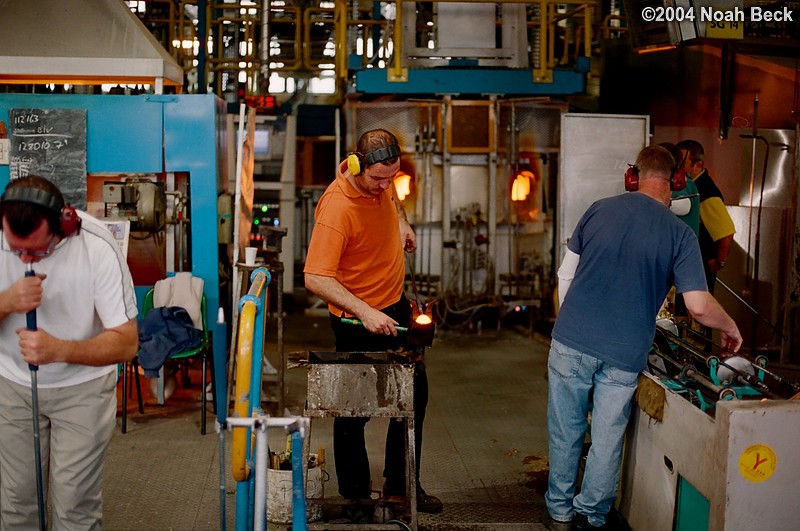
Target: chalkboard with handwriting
51	143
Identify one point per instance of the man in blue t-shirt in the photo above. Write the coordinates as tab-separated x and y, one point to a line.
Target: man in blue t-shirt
624	256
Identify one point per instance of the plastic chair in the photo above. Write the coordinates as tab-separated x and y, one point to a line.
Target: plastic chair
202	350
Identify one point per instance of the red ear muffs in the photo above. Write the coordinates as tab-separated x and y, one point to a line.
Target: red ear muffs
70	222
677	180
631	178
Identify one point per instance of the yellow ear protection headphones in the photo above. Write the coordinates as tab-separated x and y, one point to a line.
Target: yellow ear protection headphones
69	222
356	162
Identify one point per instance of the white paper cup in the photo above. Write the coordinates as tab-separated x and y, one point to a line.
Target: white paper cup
250	255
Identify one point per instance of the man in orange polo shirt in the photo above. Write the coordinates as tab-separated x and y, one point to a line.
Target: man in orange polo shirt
355	263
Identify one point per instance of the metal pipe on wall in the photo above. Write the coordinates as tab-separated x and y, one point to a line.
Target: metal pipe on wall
288	197
754	288
446	190
418	206
265	36
337	121
492	250
788	352
513	164
752	186
202	50
430	147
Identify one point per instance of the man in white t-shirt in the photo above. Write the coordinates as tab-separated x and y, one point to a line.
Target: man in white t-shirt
85	306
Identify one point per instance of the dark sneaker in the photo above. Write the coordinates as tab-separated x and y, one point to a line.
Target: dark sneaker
427	503
555	525
611	524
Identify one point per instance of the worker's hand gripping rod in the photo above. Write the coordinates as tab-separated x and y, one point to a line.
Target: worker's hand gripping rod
356	322
37	445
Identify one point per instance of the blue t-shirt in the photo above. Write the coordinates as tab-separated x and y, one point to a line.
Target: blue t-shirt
632	250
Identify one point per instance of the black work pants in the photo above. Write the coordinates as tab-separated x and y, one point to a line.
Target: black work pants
349	447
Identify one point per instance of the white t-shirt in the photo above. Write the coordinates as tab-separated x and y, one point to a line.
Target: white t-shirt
88	289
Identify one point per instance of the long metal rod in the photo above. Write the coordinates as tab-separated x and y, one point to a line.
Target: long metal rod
752	185
282	360
37	448
414	283
430	147
778	378
446	200
222	487
757	252
260	491
419	207
740	299
491	230
699	378
513	163
37	443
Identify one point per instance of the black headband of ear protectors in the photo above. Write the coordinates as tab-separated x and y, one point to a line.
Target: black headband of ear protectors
384	153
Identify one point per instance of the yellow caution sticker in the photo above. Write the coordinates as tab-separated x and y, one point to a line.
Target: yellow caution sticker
757	463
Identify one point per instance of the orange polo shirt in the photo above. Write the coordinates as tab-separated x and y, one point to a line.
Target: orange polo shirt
356	240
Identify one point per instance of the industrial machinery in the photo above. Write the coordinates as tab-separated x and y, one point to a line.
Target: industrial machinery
712	443
480	177
162	172
695	368
142	201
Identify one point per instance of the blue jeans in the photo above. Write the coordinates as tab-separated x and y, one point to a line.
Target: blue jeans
574	380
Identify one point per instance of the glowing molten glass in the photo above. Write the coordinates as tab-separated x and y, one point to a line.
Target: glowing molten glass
423	319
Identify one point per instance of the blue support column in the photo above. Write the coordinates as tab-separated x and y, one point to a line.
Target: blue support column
193	139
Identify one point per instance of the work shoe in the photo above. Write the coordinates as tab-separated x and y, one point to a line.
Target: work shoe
581	523
555	525
427	503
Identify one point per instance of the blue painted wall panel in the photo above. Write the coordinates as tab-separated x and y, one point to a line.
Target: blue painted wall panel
124	134
469	81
